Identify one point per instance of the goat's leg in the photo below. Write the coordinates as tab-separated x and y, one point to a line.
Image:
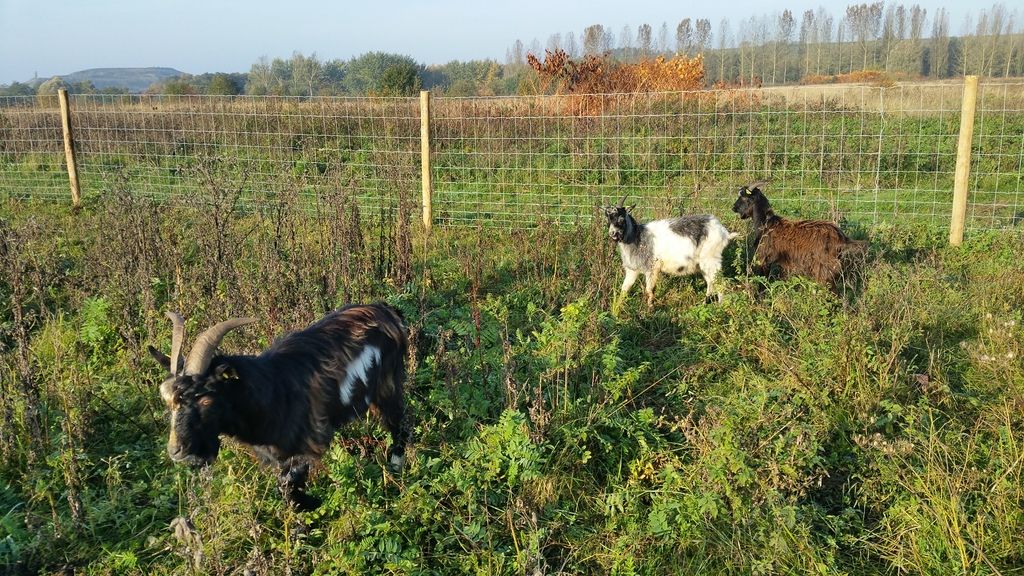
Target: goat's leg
292	484
710	270
650	279
760	264
399	423
627	283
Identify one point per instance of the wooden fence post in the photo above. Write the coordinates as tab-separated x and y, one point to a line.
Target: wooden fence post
428	219
69	147
963	160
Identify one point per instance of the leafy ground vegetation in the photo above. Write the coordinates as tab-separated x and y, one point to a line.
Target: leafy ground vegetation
782	431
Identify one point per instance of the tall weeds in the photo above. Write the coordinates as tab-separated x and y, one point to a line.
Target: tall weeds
791	432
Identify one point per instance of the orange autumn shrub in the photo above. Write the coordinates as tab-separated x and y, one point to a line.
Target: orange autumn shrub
592	78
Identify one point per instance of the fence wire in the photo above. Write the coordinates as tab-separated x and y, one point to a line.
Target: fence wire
197	146
866	154
997	158
857	152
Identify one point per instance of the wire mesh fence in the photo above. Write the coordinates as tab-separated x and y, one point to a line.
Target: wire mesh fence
860	152
31	153
997	166
168	146
868	154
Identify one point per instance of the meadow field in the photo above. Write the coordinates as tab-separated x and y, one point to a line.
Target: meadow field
783	431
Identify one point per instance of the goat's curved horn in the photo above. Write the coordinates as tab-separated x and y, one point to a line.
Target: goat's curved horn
623	201
177	336
206	344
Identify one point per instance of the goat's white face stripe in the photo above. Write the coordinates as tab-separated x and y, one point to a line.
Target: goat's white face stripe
167	394
166	391
357	370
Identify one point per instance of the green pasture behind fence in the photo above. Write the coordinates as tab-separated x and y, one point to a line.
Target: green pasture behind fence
866	154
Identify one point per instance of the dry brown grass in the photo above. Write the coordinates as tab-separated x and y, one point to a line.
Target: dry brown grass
905	97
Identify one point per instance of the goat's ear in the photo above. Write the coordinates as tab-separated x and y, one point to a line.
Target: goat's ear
165	361
224	372
160	357
630	209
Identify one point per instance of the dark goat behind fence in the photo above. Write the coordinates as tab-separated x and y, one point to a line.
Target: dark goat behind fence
815	249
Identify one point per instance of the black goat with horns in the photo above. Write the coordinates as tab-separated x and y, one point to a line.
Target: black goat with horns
287	402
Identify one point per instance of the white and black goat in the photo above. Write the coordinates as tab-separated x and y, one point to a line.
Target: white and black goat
816	249
676	246
287	402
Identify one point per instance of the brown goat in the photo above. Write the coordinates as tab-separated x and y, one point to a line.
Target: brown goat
815	249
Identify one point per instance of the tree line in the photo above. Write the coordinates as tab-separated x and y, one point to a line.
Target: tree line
371	74
894	40
785	47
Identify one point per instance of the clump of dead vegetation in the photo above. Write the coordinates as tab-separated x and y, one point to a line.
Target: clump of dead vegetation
592	78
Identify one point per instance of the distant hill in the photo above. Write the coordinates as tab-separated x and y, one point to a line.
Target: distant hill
134	79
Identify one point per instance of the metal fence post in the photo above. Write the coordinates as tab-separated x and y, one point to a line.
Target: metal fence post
963	160
428	219
69	148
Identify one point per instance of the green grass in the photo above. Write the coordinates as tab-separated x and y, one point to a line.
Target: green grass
782	431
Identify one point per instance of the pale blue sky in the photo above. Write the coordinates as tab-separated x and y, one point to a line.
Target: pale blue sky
52	37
